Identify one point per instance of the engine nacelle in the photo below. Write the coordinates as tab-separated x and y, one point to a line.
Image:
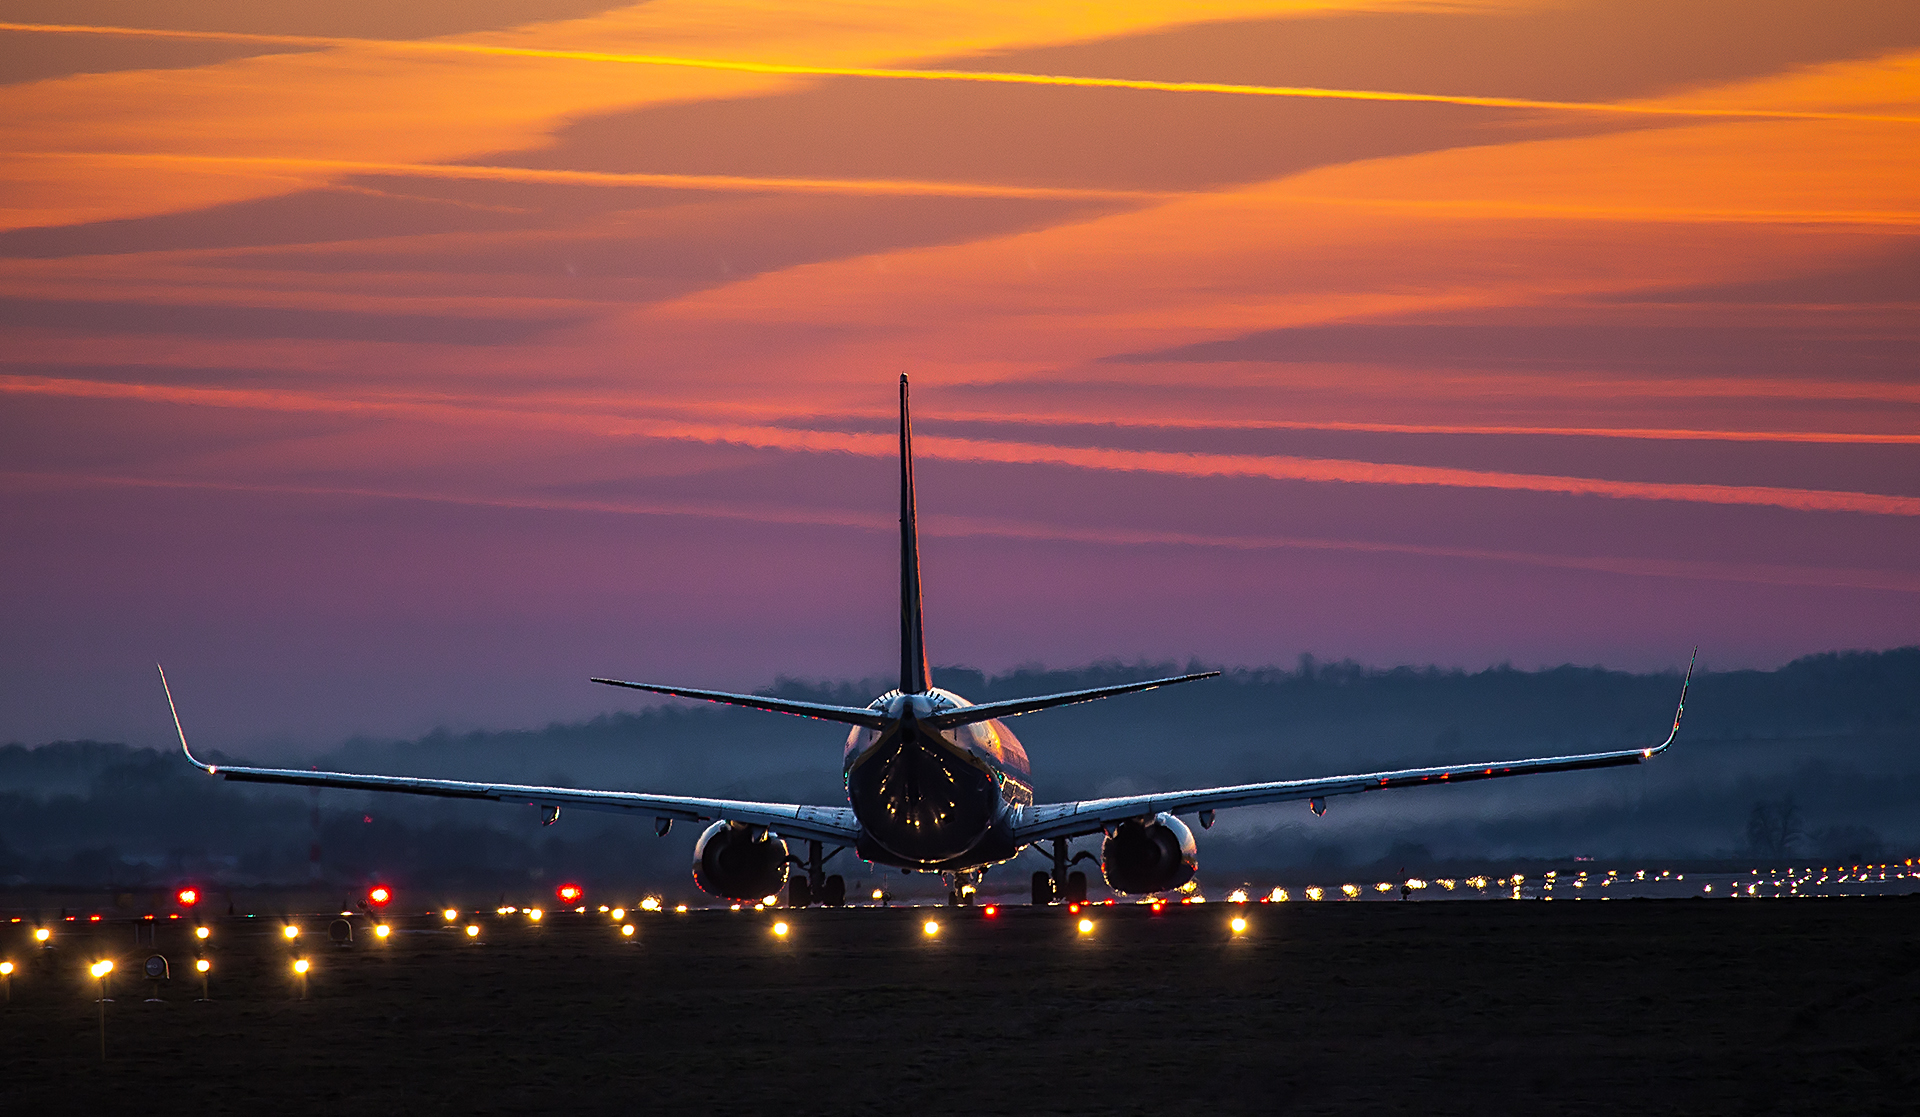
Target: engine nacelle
1156	855
739	862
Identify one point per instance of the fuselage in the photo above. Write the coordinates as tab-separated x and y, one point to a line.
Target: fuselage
931	799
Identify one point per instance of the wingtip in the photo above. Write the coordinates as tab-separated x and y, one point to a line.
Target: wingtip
177	727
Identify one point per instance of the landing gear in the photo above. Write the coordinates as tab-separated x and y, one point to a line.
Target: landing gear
1061	885
816	887
962	887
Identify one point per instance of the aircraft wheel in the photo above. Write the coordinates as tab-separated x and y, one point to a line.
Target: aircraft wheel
799	892
1042	890
836	892
1076	887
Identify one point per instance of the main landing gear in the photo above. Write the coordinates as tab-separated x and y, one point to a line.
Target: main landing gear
961	888
816	886
1064	884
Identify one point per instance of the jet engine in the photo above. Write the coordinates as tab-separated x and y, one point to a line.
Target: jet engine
739	862
1151	855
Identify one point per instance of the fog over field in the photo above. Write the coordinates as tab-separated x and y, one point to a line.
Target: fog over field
1819	759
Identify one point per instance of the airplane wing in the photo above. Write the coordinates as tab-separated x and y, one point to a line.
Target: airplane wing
790	820
1089	816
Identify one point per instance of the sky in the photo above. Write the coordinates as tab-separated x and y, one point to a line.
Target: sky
384	367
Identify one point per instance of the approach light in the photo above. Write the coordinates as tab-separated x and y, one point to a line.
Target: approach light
41	934
203	965
450	915
1086	926
571	893
101	968
382	931
379	895
187	897
292	932
626	930
931	928
780	929
473	930
301	966
201	933
1239	924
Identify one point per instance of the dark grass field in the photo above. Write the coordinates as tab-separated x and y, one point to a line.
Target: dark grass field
1633	1006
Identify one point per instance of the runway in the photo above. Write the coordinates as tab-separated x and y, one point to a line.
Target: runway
1803	1005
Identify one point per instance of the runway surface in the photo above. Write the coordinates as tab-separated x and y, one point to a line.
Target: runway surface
1671	1006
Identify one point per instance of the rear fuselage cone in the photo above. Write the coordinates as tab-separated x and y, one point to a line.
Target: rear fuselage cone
928	797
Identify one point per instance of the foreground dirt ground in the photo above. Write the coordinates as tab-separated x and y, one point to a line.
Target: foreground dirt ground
1641	1006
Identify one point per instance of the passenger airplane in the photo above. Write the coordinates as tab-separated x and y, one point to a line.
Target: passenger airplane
935	784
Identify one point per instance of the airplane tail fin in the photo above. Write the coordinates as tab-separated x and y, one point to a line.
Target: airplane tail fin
914	678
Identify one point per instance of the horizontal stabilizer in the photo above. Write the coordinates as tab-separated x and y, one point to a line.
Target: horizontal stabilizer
846	715
967	715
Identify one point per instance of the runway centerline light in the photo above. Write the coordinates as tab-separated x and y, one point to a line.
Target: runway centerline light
1239	924
382	931
931	928
473	930
1086	926
203	965
780	929
290	931
626	930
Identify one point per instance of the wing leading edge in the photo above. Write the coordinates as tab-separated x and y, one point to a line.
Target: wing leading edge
792	820
1088	816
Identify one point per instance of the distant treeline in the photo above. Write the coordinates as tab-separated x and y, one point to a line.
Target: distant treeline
1817	760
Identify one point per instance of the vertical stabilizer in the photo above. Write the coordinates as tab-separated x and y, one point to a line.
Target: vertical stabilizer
913	640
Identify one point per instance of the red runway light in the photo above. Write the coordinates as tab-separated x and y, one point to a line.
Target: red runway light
570	892
379	895
188	897
1074	908
992	911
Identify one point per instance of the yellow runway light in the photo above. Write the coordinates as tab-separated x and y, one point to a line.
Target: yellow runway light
101	968
650	903
1086	926
626	929
450	915
1239	924
473	930
770	901
41	934
535	914
201	933
301	966
931	928
682	909
203	965
382	931
619	914
290	931
780	929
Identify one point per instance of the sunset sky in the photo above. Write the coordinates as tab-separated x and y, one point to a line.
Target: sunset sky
382	366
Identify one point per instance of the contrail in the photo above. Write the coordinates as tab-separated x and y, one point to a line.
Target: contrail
968	527
1277	467
738	183
991	77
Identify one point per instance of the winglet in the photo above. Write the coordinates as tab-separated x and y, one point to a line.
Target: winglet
1681	709
175	711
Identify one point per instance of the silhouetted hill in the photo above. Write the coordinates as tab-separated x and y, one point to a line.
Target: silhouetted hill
1818	759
